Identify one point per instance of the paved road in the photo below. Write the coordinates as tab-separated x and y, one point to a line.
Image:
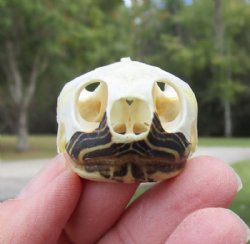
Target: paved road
14	175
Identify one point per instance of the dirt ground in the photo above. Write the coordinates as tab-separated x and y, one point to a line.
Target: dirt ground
15	175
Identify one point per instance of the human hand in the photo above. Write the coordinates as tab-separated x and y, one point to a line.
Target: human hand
59	207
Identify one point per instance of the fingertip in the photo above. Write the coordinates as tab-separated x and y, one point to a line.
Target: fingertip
244	226
210	225
216	171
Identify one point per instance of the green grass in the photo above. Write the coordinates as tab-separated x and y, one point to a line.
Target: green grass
41	146
140	190
224	142
241	204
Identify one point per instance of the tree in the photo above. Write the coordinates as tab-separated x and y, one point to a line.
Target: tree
209	47
26	42
226	49
34	34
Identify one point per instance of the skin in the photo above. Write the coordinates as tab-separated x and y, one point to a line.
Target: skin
59	207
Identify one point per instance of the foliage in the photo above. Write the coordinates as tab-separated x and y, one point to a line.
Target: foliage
69	37
183	41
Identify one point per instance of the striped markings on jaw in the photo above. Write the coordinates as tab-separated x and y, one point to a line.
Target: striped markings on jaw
158	156
129	168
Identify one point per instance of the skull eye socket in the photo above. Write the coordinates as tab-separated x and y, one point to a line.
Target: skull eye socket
92	101
92	86
167	102
161	85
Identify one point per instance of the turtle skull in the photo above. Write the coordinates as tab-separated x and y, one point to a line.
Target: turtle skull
127	122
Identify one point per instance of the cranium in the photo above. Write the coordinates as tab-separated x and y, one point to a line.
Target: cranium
127	122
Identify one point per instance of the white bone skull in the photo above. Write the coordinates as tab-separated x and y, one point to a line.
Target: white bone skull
127	122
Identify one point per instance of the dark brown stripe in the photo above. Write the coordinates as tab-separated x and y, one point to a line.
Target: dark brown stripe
157	136
137	172
100	136
122	171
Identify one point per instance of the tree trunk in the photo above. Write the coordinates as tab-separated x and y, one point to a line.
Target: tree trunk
223	74
22	92
218	27
22	131
227	119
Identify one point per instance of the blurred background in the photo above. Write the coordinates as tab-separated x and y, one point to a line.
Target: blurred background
45	43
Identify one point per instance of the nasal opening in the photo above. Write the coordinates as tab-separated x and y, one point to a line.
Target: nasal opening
129	101
130	116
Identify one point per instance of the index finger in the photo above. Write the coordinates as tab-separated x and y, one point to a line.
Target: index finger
100	205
